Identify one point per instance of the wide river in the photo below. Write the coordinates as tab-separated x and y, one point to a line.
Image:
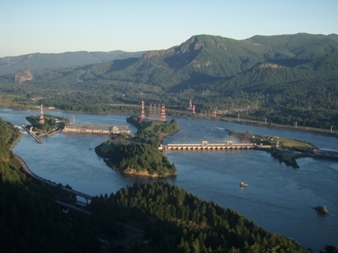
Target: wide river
278	198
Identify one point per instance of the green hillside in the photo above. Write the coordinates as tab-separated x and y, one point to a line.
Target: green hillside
61	60
301	46
284	79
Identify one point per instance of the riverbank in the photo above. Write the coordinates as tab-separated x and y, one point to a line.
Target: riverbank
244	121
145	174
187	114
285	150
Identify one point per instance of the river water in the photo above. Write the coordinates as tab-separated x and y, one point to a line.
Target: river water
278	198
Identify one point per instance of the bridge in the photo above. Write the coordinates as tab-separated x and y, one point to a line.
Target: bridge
208	146
95	129
33	134
30	173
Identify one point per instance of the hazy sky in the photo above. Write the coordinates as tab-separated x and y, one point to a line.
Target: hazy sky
54	26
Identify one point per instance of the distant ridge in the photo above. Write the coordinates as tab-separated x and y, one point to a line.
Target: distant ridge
9	65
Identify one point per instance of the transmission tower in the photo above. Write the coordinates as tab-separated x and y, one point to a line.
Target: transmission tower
42	117
163	116
143	116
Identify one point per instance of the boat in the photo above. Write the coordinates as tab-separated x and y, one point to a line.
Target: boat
242	184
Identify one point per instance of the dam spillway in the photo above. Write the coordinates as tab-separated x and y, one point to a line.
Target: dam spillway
208	146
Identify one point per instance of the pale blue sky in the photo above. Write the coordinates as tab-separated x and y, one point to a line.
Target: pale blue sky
54	26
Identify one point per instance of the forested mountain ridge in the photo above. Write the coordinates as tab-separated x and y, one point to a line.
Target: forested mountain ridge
60	60
283	78
215	58
301	46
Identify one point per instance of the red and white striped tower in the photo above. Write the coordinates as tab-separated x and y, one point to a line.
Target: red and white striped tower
193	109
150	112
158	111
163	117
143	116
42	117
214	112
155	112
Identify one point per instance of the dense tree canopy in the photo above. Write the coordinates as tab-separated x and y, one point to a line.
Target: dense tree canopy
194	225
141	152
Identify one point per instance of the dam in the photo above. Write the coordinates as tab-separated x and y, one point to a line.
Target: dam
204	145
95	129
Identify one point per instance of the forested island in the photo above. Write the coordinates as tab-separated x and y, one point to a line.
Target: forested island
50	123
285	150
139	154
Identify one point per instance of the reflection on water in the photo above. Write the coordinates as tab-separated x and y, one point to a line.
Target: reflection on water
278	197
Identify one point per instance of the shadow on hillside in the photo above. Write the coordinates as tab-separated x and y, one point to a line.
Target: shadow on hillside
195	79
180	60
122	64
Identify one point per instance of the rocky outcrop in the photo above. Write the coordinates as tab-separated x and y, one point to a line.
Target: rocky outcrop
23	75
141	173
145	173
269	65
159	53
188	47
322	209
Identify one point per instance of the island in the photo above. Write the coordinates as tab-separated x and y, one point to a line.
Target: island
46	125
138	154
285	150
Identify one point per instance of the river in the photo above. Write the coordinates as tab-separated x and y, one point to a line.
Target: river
278	198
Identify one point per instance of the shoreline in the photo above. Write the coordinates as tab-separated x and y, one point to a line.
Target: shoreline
243	121
144	174
303	129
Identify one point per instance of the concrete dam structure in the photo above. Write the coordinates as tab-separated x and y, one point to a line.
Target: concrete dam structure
95	129
208	146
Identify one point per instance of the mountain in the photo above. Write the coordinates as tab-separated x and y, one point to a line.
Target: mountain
204	59
42	61
333	36
284	78
300	46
